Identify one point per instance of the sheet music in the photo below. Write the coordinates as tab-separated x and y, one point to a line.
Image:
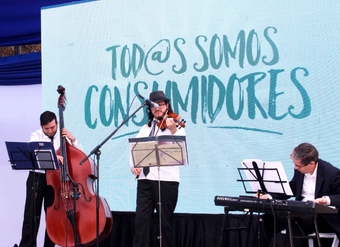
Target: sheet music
167	150
279	175
45	159
272	173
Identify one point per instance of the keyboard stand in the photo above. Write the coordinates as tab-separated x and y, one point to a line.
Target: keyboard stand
290	216
247	227
288	208
238	226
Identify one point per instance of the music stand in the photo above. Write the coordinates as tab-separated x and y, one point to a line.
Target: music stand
167	150
158	151
264	177
32	156
272	179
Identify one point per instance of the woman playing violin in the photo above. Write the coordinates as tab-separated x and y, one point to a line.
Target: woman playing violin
162	121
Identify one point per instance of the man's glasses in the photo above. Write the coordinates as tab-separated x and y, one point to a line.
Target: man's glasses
299	166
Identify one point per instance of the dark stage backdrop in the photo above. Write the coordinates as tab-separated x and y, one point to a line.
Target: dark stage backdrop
199	230
193	230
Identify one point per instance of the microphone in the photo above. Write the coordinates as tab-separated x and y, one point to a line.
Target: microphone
149	102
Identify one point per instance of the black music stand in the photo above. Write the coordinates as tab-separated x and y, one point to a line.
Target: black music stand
264	177
152	151
270	177
32	156
261	178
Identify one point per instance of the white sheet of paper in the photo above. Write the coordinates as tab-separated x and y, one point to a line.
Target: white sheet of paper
272	174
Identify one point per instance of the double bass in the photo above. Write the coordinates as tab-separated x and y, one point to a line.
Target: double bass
77	217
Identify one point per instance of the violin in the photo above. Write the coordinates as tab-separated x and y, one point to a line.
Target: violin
180	122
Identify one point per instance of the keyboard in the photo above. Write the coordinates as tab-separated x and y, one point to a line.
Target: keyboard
269	205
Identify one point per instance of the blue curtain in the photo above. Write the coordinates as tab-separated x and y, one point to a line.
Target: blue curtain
20	21
20	25
21	69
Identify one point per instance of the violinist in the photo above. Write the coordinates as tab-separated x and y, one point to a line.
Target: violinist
161	121
36	188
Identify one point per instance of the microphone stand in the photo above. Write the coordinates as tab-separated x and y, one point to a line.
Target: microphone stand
97	153
259	219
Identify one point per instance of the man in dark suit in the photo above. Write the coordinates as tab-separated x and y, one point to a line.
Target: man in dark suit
314	180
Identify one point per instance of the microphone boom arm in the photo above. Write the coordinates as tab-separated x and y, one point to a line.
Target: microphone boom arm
96	149
148	102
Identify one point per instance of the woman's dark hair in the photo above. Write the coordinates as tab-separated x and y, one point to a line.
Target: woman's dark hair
46	117
306	153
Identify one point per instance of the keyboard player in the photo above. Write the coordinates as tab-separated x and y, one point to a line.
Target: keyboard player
314	180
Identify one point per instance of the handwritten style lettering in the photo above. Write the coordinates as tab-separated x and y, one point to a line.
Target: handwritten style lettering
208	95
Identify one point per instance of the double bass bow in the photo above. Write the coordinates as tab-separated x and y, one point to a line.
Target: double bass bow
71	220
